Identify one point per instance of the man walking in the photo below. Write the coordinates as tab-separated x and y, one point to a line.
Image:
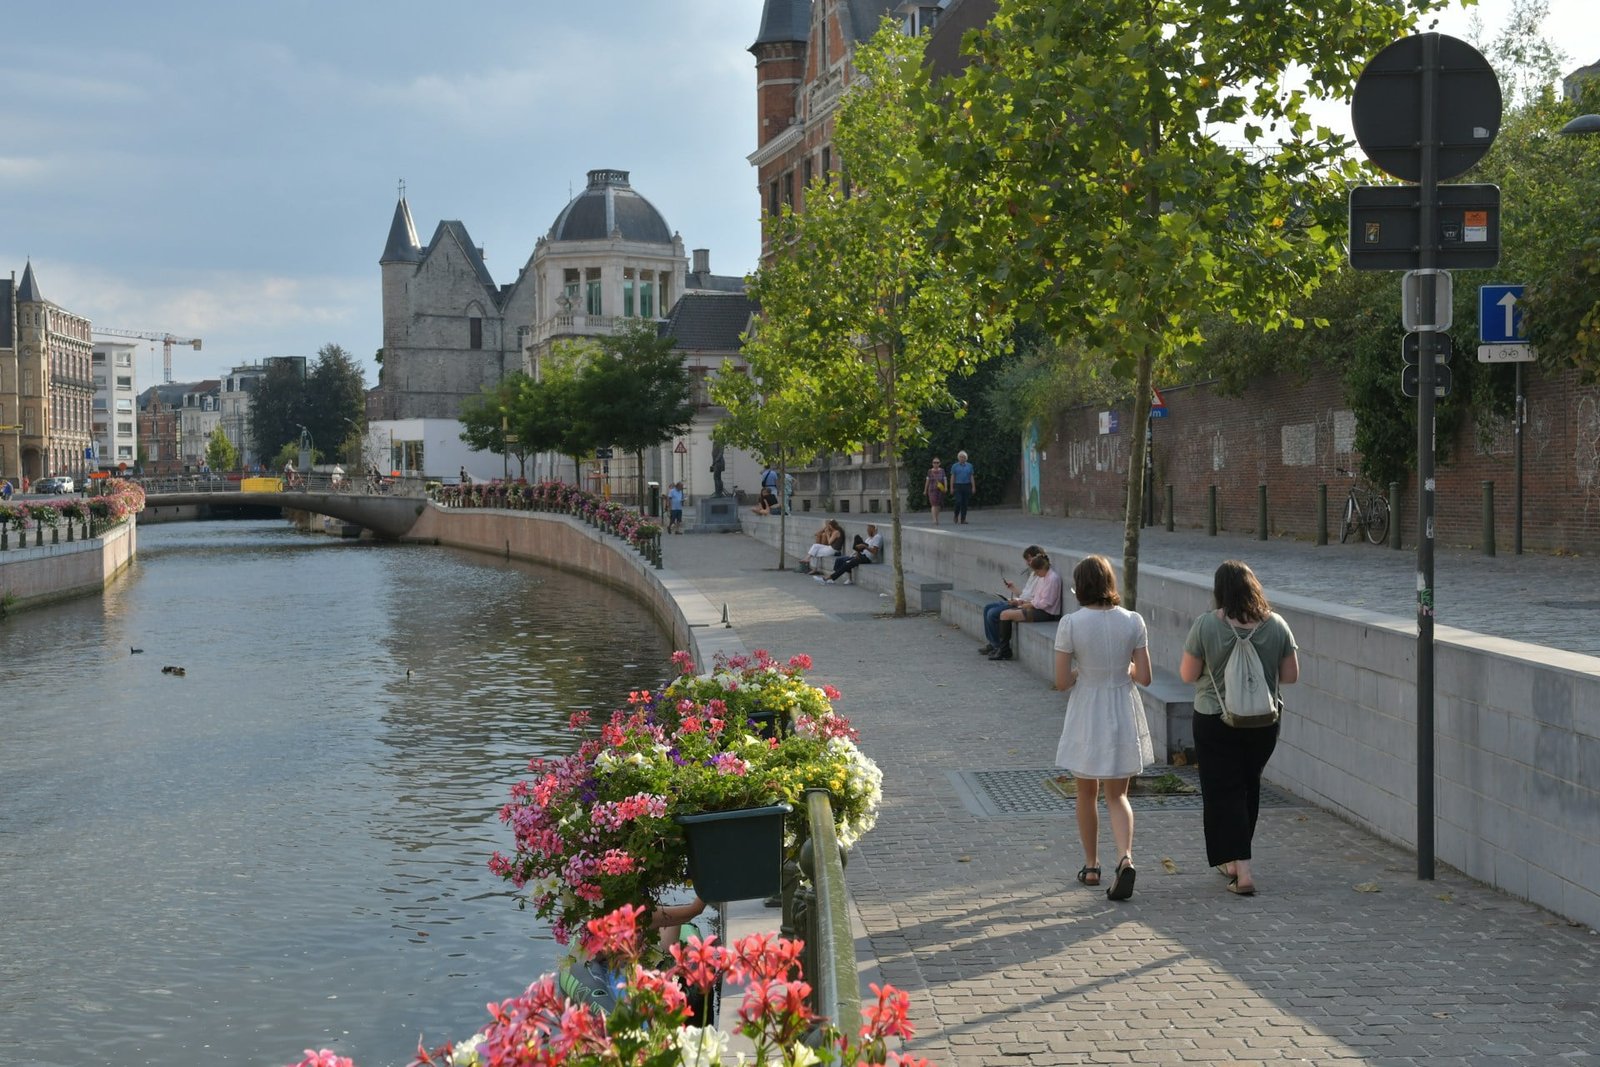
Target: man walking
675	508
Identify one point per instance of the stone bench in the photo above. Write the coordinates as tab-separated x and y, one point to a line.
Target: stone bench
1032	643
923	592
1169	709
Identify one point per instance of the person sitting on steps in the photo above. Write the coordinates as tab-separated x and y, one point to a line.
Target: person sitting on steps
1014	597
828	542
863	550
1042	604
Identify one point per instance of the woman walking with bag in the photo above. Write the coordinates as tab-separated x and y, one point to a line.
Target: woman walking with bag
1232	757
1101	651
934	487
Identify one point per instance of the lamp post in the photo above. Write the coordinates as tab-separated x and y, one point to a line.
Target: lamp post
1582	125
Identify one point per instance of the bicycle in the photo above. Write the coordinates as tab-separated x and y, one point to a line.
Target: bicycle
1365	509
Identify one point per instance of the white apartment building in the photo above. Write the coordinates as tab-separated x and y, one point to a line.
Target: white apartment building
115	420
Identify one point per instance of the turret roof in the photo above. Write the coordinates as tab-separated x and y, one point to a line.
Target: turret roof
402	246
28	289
784	21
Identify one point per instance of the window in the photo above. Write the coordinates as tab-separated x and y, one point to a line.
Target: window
125	429
125	405
124	359
570	286
627	292
666	280
475	332
807	183
772	199
592	297
827	161
124	381
788	188
99	358
126	452
647	303
99	404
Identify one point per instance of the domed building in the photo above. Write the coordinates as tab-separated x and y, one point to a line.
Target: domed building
449	330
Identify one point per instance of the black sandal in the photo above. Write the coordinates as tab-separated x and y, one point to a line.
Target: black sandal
1086	872
1122	888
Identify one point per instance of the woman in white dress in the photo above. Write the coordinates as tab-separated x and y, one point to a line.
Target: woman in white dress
1101	651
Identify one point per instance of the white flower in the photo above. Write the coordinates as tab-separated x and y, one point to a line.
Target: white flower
802	1055
701	1047
465	1053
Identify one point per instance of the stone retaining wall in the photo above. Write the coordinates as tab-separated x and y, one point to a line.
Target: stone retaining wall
36	576
570	544
1517	726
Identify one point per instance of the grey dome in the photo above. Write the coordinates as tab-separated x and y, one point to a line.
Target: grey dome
608	204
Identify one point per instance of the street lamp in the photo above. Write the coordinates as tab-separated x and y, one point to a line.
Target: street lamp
1583	124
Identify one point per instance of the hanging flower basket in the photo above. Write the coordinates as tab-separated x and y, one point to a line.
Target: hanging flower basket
735	855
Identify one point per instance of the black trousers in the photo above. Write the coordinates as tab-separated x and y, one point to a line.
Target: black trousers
1231	762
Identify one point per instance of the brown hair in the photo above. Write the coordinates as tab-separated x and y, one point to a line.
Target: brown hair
1094	583
1040	563
1031	551
1238	593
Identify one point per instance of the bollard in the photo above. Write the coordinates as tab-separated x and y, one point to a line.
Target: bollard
1211	511
1488	518
1394	515
1170	526
1261	512
1322	513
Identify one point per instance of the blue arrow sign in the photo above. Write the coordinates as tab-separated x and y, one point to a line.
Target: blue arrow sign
1500	315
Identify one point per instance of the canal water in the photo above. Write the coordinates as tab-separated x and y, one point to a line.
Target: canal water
284	847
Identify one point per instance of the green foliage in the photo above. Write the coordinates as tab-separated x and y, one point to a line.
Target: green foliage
220	453
869	321
290	454
277	407
1090	186
504	408
991	444
335	398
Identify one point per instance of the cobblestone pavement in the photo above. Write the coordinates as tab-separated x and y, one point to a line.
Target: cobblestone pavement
1343	956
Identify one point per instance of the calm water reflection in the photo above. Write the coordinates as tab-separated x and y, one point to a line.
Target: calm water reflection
285	847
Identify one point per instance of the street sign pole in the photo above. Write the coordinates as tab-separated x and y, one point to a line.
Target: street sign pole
1517	417
1425	443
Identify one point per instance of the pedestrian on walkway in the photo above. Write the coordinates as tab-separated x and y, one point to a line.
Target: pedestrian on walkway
1102	649
1013	597
1041	603
1232	758
963	483
934	487
675	508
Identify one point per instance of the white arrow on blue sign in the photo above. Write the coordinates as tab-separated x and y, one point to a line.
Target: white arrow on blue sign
1500	315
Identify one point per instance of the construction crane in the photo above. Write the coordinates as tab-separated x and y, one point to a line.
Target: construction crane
167	341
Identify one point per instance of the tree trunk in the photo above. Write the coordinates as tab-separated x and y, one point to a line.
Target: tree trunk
892	443
783	512
1135	507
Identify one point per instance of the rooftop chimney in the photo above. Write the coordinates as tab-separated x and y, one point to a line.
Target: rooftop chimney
702	260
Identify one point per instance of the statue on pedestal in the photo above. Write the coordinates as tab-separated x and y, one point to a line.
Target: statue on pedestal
717	467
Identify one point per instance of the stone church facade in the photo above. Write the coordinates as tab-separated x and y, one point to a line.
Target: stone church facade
450	331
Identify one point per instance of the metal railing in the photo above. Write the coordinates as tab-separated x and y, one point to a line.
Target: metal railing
314	482
821	910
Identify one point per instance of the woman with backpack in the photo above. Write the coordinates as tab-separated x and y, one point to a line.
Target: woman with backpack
1243	644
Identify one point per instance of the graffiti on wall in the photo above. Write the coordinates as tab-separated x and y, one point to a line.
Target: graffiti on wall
1097	455
1298	444
1586	448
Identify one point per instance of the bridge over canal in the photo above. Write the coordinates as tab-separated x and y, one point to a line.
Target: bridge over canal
388	510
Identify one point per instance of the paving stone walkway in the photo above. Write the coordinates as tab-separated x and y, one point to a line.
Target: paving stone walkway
1343	956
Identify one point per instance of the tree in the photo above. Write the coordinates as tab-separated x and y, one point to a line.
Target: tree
875	321
498	419
1091	184
335	398
220	453
278	407
635	392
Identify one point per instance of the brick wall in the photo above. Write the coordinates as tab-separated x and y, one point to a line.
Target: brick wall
1291	435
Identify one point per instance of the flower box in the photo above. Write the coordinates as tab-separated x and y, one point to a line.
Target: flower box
735	855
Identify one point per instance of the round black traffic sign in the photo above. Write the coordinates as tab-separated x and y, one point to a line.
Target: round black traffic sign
1387	108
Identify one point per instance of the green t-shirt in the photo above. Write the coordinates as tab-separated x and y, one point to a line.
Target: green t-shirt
1211	639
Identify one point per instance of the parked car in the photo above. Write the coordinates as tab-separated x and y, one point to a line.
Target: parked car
58	484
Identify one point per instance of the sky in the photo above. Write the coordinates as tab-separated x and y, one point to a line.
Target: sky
228	171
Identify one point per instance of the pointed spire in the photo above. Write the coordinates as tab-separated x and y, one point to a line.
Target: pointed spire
403	246
28	289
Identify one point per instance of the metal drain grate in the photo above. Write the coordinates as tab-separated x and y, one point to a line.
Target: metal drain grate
1028	791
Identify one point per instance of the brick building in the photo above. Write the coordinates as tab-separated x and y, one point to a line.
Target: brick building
1292	435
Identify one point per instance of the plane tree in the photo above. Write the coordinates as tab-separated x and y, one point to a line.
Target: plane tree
1118	171
875	322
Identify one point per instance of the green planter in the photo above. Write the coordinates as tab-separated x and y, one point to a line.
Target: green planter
735	855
